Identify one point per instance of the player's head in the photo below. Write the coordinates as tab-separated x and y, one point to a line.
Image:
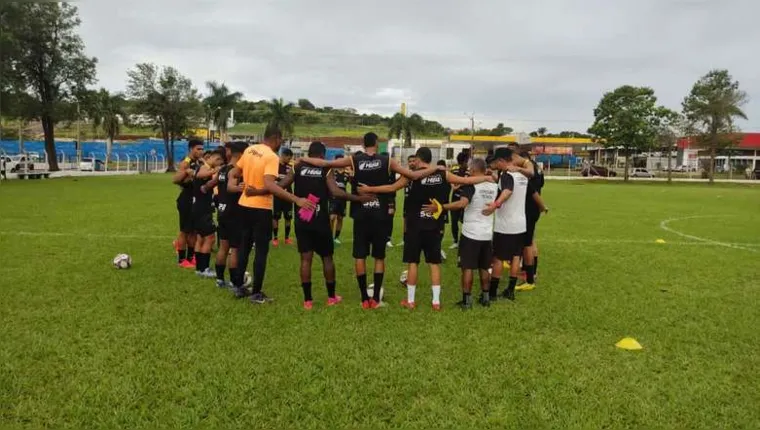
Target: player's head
525	153
502	158
273	136
441	163
236	149
370	140
317	150
513	146
206	154
478	166
195	148
286	155
216	158
424	155
462	158
412	161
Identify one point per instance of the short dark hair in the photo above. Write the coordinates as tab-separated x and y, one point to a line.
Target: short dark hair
478	164
272	131
207	152
525	153
238	147
513	145
425	154
220	152
317	149
503	154
286	152
462	158
411	156
370	140
192	143
441	162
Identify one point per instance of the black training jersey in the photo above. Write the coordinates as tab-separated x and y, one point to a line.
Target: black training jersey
186	188
312	180
202	202
422	191
535	184
282	172
341	178
228	201
372	170
462	171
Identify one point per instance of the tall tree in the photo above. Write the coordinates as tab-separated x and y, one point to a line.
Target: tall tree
628	118
280	114
47	62
403	127
167	99
667	137
541	131
305	104
219	103
712	106
107	111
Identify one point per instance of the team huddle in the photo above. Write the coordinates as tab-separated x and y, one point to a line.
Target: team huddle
497	200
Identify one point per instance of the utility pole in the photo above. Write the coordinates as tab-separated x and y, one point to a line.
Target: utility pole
78	149
472	133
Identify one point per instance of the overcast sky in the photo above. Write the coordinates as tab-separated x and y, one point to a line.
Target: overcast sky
527	64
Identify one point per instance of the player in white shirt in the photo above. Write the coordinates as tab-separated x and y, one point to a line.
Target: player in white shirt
475	250
510	224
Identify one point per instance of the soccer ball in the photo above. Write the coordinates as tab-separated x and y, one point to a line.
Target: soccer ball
403	277
247	280
371	291
122	261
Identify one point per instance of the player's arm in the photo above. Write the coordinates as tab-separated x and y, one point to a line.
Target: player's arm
413	175
453	206
288	179
338	163
205	172
384	189
522	165
182	173
271	169
212	183
469	180
234	184
540	202
338	193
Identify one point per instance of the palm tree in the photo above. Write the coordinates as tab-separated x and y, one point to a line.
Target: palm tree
280	114
108	111
219	104
711	108
541	131
401	127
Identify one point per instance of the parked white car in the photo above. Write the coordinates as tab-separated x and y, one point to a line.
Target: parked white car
641	173
23	162
91	165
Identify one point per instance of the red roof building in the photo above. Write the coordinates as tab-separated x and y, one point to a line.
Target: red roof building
749	141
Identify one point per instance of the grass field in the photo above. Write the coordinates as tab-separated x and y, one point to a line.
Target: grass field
83	345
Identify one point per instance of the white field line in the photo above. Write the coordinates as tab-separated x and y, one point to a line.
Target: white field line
698	242
665	226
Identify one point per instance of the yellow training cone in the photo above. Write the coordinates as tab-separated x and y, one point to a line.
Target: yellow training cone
659	241
629	343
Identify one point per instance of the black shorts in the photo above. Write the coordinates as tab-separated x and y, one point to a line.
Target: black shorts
317	241
508	246
282	208
185	210
203	223
229	228
338	207
475	254
531	225
422	241
370	235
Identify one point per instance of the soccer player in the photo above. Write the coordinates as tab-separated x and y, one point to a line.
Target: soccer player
475	250
445	214
338	206
370	237
456	215
203	211
534	205
185	242
228	215
509	224
411	161
259	166
283	208
314	235
423	221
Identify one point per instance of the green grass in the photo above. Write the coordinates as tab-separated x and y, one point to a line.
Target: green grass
85	346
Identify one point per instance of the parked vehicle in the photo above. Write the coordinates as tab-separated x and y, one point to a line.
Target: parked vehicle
598	171
92	165
639	172
23	162
756	172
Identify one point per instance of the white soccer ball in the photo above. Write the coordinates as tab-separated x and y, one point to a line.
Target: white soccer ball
404	276
122	261
371	291
247	280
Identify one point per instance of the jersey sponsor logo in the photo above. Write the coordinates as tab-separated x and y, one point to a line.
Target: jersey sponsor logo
432	180
372	204
370	165
312	172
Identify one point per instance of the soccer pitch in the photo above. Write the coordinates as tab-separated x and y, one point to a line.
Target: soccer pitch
86	346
